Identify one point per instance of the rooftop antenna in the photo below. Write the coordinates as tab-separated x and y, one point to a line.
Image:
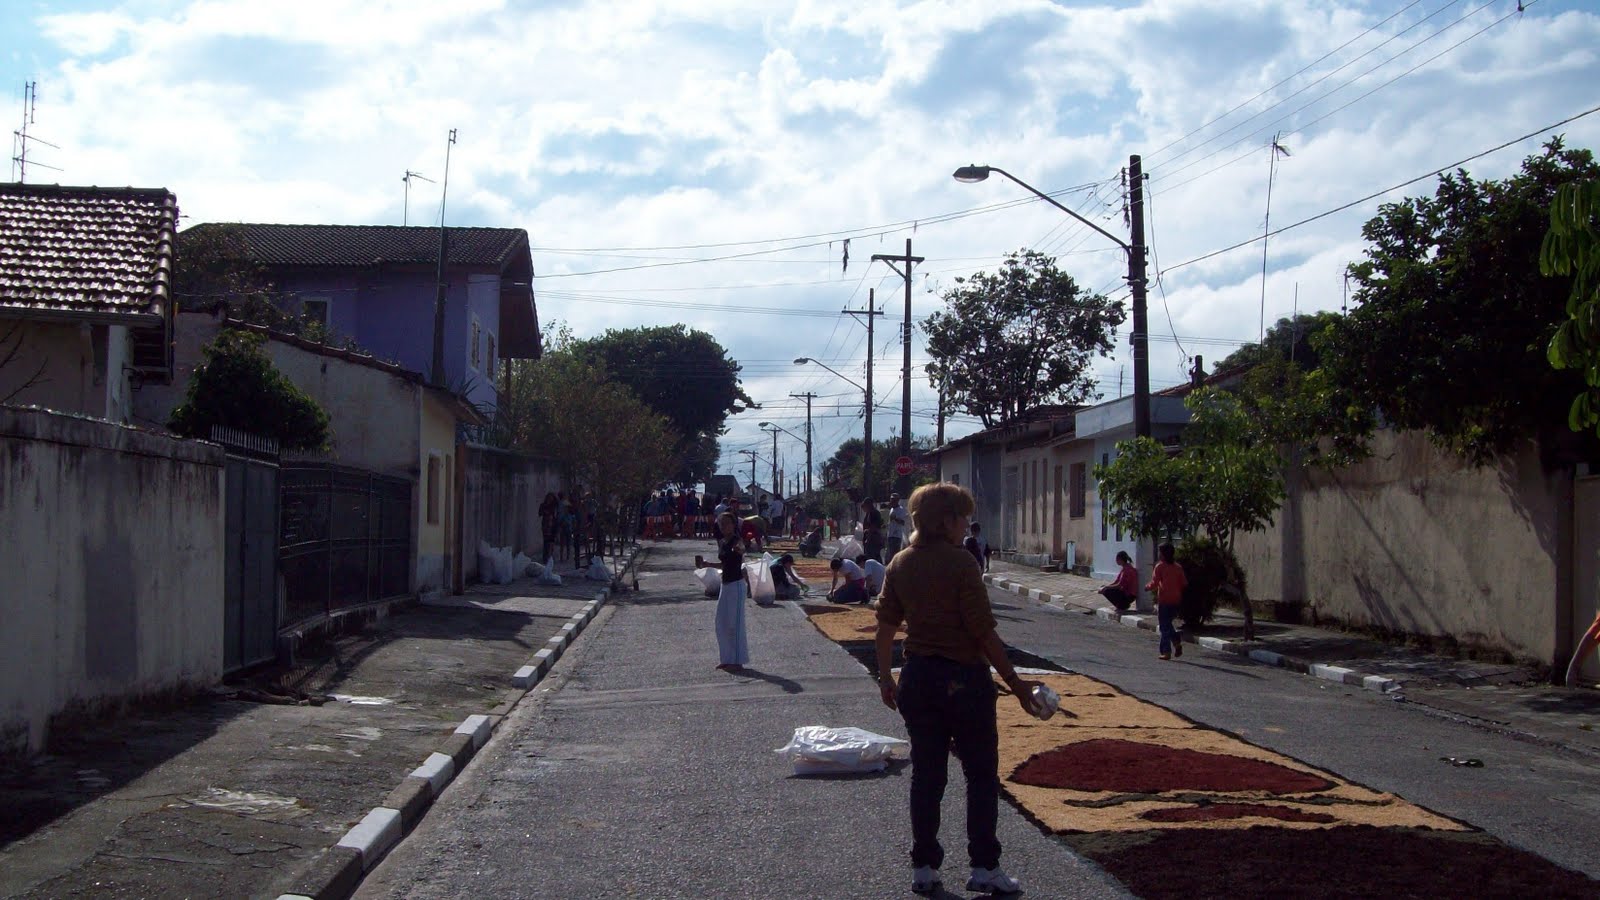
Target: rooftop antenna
21	138
1266	229
405	210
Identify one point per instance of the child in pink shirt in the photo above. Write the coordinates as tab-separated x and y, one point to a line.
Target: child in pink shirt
1168	582
1125	590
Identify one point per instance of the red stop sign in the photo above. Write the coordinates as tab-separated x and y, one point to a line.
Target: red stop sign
904	466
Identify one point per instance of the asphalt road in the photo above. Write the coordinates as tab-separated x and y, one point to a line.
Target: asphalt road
638	770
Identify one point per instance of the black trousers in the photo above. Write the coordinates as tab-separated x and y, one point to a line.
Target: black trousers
942	700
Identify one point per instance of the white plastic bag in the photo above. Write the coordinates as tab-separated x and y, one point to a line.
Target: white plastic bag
849	548
488	572
825	750
597	571
549	576
761	587
521	565
504	571
711	580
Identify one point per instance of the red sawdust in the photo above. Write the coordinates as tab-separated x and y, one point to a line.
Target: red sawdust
1214	811
1348	863
1110	764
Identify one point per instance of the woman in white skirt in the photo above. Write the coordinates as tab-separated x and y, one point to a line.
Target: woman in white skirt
732	648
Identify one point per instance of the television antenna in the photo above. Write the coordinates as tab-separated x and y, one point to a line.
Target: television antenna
405	210
21	140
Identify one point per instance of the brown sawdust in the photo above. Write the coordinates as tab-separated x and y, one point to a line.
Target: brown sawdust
845	623
1110	764
1210	811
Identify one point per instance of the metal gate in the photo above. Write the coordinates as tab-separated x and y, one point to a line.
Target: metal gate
250	595
345	538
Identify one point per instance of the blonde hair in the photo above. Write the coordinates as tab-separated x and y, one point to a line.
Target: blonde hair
934	504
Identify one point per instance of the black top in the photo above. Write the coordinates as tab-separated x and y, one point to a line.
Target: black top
780	574
730	552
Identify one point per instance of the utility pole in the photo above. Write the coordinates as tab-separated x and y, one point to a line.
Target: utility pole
1136	284
938	440
444	252
871	312
808	397
903	482
775	483
752	455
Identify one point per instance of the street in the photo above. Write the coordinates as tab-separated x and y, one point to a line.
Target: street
638	770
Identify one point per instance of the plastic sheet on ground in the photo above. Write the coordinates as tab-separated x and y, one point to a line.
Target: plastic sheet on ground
827	750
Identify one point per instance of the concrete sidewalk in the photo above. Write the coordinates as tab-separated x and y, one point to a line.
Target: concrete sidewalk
224	795
1505	697
640	770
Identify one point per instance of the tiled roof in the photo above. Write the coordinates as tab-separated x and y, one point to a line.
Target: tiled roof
85	250
366	245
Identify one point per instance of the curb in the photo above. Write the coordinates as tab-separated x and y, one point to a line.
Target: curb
1337	674
337	871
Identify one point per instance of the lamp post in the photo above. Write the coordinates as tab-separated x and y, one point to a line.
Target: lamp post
774	431
806	440
1136	283
866	450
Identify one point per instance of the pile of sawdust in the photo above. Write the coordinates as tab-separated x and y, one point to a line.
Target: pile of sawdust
846	623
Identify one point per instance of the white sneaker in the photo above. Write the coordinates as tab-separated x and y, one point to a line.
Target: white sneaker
992	881
924	880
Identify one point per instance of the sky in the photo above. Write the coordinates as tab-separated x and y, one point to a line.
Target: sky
703	161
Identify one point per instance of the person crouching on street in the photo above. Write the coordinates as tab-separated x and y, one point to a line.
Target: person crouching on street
1125	589
872	572
786	582
1168	582
732	648
945	693
854	589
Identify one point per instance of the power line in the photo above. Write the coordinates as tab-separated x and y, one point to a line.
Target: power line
1387	190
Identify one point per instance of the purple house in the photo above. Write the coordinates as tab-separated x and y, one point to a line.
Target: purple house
376	284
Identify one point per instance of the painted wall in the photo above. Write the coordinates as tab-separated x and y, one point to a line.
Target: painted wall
114	563
437	439
79	368
1078	530
1415	541
501	501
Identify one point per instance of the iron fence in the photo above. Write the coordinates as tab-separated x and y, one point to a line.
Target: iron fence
344	540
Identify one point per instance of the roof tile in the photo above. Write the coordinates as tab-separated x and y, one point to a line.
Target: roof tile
367	245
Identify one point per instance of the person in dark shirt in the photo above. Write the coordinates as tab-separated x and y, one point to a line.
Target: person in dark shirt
732	647
871	530
786	582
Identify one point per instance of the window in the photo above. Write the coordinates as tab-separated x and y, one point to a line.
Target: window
477	331
315	309
433	488
1079	490
488	356
1038	496
955	477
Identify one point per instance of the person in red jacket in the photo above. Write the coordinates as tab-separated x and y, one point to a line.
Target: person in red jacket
1168	582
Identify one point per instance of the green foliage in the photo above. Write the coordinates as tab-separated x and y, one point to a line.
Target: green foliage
1305	413
568	410
237	386
844	466
1289	340
1571	248
1452	316
1213	575
1236	473
1149	492
684	375
1014	339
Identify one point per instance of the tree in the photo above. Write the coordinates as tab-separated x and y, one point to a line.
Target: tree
237	386
682	374
1288	339
845	466
1571	248
1452	316
1011	340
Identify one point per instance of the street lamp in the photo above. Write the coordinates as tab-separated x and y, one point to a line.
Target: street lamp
866	450
1136	284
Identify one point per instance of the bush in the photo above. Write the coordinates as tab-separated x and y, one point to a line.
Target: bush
237	386
1214	576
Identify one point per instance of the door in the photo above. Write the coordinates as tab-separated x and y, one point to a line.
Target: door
1008	511
1057	549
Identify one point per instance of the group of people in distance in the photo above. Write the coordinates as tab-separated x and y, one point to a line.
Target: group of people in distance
1166	582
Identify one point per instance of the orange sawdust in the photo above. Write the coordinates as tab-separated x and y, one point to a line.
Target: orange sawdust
845	623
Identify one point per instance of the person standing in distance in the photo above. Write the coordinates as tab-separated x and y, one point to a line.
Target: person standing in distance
895	533
732	648
946	694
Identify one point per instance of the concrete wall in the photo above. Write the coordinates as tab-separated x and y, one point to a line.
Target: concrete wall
437	439
114	557
1416	541
501	501
79	368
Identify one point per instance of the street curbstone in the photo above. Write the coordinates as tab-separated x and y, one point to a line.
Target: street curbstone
1267	657
460	749
1035	594
1217	644
373	836
1329	673
412	797
543	660
1380	684
479	727
557	644
333	875
438	770
526	677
